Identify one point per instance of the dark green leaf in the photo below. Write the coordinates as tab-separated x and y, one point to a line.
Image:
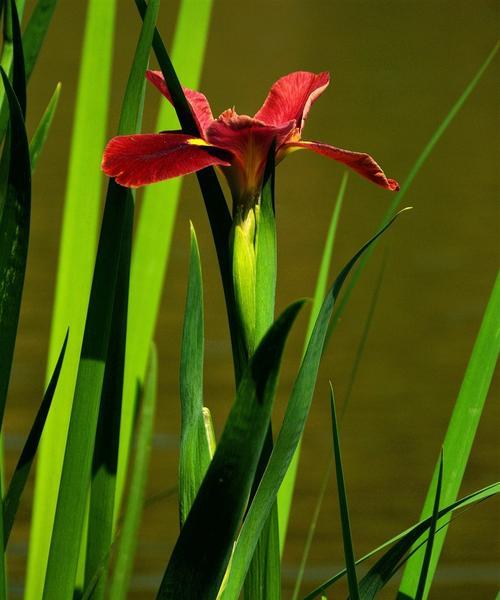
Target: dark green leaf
194	455
202	551
22	470
14	236
42	131
350	561
35	32
399	545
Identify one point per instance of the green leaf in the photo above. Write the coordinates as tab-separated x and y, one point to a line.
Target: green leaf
14	236
350	561
154	228
286	490
115	231
135	496
422	158
42	131
432	532
35	32
18	71
289	435
23	467
194	455
400	544
74	274
202	551
461	431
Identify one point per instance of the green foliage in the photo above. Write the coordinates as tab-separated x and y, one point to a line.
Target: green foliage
202	550
35	32
42	131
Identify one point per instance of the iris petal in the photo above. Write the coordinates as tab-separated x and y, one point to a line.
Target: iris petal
135	160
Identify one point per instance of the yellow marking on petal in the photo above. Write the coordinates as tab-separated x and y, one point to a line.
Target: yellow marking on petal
198	142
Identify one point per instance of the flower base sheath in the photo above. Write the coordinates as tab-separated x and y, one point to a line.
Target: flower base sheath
237	144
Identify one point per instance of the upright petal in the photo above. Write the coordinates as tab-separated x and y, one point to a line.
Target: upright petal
291	97
199	104
360	162
135	160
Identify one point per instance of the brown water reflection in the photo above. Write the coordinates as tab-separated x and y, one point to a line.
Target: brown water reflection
397	68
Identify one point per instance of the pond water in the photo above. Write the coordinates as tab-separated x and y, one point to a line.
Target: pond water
396	68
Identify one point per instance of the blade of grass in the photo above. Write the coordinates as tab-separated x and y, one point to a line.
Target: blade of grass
18	70
42	131
194	455
35	32
74	275
14	237
23	467
75	478
155	226
350	561
400	544
432	532
461	431
135	498
421	159
289	435
286	490
201	553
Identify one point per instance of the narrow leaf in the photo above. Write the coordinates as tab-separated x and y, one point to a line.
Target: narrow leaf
194	449
14	235
350	561
18	71
35	32
461	431
289	435
432	531
400	544
22	470
42	131
135	497
286	490
202	551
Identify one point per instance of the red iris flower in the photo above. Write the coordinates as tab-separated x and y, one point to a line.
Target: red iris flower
238	144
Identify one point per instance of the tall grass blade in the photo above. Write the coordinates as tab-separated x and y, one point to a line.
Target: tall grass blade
18	70
116	226
286	490
202	551
289	435
400	544
42	131
35	32
194	455
23	467
350	561
135	498
422	158
14	237
74	275
461	431
432	532
155	226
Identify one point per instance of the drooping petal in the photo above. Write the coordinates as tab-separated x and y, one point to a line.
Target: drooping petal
360	162
249	141
200	106
291	97
135	160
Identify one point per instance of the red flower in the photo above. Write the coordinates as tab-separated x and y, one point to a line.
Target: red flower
238	144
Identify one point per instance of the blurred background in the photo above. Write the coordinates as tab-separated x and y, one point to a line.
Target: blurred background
397	67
